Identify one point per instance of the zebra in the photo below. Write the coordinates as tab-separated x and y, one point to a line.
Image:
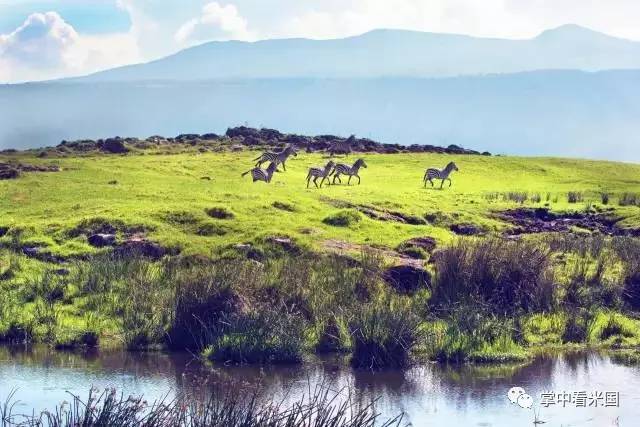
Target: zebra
277	158
319	172
443	174
261	174
351	171
344	147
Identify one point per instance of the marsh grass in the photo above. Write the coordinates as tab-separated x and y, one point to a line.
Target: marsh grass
384	334
575	197
509	277
321	407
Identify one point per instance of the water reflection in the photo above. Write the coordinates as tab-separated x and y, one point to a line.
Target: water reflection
431	394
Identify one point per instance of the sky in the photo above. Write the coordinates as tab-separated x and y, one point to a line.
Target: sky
46	39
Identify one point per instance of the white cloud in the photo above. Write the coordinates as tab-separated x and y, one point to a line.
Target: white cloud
47	47
216	22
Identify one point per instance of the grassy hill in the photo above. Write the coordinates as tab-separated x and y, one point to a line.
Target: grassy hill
167	197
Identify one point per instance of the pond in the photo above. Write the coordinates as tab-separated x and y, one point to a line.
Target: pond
580	389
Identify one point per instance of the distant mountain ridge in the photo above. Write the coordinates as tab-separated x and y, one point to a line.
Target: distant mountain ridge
387	53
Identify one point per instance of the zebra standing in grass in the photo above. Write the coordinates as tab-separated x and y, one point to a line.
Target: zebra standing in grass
443	175
351	171
277	158
318	172
261	174
343	147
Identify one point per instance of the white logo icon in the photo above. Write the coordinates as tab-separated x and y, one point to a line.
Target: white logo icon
518	396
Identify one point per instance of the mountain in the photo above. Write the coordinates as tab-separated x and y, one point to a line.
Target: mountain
387	53
559	113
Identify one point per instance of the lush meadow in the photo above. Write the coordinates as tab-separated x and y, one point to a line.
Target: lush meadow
255	272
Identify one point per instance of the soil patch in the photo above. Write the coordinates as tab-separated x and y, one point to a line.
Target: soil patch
342	247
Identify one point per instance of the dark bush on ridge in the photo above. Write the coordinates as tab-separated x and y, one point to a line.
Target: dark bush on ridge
508	276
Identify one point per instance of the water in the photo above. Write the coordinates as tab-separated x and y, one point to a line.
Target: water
430	395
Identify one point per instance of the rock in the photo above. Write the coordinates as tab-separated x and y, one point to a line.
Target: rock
100	240
407	279
285	243
114	146
237	147
466	229
8	172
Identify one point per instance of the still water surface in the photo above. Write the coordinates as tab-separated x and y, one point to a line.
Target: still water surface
429	395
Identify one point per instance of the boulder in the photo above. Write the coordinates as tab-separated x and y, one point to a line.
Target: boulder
114	146
100	240
407	279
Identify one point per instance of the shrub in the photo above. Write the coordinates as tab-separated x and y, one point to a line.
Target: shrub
604	198
204	294
384	333
536	198
575	197
508	276
613	328
268	335
344	218
219	213
629	199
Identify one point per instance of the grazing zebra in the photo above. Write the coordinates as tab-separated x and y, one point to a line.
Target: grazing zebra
261	174
277	158
343	147
351	171
319	172
443	174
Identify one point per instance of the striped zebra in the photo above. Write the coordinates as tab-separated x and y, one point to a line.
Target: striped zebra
342	147
261	174
277	158
319	172
351	171
433	173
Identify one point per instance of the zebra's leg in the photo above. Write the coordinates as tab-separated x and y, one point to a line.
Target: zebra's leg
358	179
315	181
349	181
284	167
441	183
449	182
431	181
322	181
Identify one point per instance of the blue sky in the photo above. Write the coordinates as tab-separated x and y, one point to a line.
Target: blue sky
43	39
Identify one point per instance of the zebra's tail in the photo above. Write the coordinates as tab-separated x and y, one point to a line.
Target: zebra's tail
258	158
244	174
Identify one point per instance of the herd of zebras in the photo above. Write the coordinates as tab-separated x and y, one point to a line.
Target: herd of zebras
321	173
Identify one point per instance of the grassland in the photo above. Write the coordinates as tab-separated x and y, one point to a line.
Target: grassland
277	300
165	196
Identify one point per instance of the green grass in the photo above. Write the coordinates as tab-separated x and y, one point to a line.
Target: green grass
164	197
255	280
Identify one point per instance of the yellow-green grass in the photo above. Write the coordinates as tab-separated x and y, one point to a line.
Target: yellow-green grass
148	189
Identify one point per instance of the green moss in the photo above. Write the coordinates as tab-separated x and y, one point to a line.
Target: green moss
344	218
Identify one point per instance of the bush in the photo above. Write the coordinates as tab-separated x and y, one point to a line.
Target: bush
575	197
344	218
268	335
508	276
384	333
629	199
604	198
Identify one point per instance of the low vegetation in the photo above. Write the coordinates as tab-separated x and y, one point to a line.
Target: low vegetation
321	408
